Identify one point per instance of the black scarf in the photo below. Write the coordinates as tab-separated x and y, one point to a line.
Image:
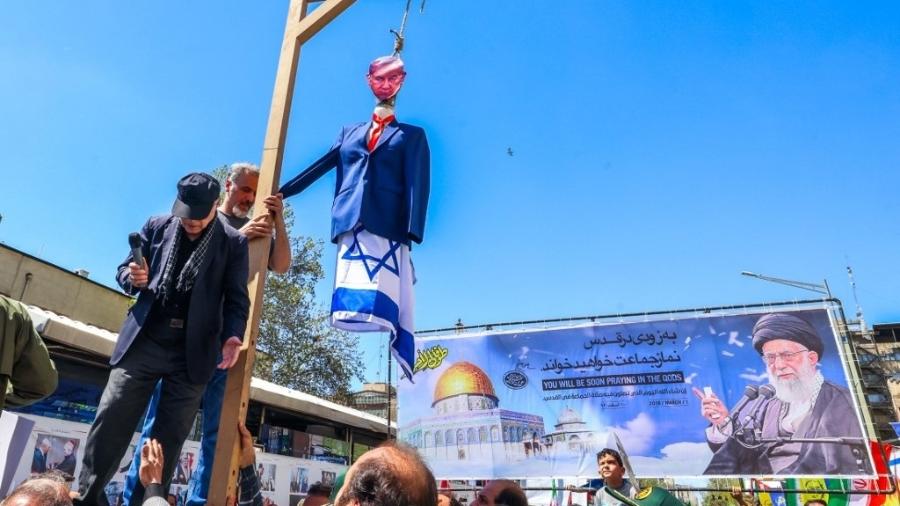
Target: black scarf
188	274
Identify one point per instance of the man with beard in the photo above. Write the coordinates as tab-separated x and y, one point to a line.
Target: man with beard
240	193
805	406
67	464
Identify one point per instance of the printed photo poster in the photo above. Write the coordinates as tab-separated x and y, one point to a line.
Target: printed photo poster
187	463
299	485
53	445
115	489
54	452
266	475
275	489
752	394
181	494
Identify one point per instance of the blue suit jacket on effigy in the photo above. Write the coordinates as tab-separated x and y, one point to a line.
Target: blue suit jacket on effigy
385	190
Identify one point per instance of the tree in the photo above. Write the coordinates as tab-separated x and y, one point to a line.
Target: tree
297	348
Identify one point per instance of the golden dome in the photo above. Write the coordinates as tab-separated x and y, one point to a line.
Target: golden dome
463	378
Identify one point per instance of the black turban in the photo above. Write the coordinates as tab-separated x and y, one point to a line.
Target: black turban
786	326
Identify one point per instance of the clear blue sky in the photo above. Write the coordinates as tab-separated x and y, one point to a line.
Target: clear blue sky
659	147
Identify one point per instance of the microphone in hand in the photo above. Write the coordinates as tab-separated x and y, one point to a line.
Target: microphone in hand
137	256
138	267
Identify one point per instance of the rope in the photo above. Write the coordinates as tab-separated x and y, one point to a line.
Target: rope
398	34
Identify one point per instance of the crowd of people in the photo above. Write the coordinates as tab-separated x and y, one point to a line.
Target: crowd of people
393	474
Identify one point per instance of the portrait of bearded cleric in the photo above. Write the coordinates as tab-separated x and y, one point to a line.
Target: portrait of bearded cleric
799	424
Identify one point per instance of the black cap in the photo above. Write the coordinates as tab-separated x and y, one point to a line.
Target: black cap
197	194
786	326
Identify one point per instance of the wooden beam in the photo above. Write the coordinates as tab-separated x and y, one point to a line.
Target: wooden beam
320	17
298	29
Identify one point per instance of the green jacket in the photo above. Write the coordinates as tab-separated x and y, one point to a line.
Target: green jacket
27	374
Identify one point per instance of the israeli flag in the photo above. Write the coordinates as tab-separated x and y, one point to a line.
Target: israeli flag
373	291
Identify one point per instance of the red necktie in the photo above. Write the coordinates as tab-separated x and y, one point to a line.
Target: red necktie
378	129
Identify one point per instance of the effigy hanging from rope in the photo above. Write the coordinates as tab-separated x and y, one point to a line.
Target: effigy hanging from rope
381	197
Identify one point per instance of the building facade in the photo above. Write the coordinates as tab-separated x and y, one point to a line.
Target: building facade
877	356
374	399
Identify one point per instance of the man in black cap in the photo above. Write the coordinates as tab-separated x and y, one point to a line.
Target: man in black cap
192	305
805	407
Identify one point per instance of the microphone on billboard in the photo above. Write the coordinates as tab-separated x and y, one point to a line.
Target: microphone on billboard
137	256
764	393
752	420
750	392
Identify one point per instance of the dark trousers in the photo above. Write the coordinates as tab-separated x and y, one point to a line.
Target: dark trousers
155	355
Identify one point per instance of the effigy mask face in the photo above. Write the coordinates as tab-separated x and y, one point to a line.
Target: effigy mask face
386	76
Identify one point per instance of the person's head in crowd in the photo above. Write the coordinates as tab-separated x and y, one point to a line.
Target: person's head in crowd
196	202
815	502
317	495
57	475
240	189
446	498
496	492
172	500
318	488
42	490
610	467
69	447
45	445
391	475
790	348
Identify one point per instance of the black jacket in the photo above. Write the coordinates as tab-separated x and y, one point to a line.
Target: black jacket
833	416
219	303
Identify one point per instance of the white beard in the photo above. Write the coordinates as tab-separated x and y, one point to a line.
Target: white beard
237	212
800	389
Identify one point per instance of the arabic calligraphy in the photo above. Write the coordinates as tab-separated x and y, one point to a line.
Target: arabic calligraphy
430	358
620	339
596	363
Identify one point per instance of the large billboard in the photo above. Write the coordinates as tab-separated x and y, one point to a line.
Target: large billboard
751	394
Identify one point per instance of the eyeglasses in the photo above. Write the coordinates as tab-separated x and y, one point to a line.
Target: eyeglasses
770	358
393	79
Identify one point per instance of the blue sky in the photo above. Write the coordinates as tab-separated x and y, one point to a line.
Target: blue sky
659	148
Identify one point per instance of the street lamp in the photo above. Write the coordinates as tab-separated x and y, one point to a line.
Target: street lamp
812	287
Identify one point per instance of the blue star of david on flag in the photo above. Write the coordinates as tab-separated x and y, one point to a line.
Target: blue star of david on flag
388	261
